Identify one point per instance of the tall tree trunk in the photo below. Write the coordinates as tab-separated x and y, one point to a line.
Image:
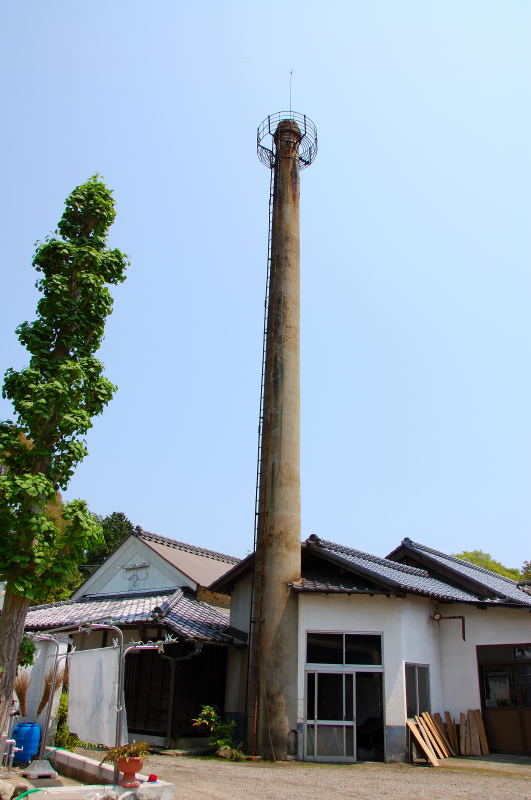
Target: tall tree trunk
12	621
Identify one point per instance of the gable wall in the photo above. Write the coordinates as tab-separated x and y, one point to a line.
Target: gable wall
112	576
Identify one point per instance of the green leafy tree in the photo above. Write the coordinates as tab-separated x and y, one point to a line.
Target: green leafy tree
71	580
485	560
54	398
115	527
526	570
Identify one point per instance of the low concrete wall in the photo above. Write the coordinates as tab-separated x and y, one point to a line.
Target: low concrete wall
96	778
80	768
146	791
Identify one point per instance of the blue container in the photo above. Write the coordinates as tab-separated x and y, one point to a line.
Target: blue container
27	735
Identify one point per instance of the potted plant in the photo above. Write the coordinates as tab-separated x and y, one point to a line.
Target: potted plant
129	759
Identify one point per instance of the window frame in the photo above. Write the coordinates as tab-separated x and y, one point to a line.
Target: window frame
416	665
318	668
313	666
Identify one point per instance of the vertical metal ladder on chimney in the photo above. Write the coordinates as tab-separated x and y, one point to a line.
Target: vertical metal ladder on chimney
253	666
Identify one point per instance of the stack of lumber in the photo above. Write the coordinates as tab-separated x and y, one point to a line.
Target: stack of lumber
472	736
435	739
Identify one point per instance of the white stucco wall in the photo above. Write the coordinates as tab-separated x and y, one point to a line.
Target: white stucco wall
407	636
236	657
460	680
240	604
236	679
410	636
421	645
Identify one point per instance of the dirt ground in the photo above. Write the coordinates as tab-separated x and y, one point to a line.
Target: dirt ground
215	779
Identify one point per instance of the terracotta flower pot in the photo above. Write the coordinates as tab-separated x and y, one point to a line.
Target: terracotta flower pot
129	767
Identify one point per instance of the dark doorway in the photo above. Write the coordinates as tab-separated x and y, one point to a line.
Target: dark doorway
505	681
199	680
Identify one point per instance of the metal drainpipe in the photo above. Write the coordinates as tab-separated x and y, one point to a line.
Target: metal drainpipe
436	617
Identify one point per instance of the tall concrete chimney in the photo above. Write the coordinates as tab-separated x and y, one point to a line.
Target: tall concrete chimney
272	675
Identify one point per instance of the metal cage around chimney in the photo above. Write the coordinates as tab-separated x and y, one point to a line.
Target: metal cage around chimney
265	138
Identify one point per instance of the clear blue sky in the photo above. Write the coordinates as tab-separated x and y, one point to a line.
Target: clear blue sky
416	280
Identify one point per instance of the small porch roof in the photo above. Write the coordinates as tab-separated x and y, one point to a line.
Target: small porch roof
183	616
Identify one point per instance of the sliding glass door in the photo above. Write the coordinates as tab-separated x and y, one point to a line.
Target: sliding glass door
330	715
344	716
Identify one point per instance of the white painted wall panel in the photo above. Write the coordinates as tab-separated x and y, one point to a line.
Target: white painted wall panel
459	660
421	644
357	614
240	604
408	635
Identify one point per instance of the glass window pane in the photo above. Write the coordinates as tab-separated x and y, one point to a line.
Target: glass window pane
330	696
310	696
494	654
349	741
369	716
423	685
325	648
525	686
411	691
498	686
363	649
330	740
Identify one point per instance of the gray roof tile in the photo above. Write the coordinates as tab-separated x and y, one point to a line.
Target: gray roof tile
182	615
147	536
391	574
497	587
201	565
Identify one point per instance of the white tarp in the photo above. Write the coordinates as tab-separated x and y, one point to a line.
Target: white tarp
92	695
42	666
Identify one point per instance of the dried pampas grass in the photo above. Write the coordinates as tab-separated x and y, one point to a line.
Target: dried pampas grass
22	682
47	688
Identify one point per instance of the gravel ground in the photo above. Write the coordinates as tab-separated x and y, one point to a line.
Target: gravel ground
214	779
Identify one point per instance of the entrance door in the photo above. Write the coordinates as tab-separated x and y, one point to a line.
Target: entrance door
505	673
344	716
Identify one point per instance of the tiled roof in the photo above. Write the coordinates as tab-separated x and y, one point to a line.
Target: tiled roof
388	574
182	615
495	586
193	619
328	586
201	565
187	548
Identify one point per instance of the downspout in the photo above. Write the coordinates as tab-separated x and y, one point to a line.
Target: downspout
436	617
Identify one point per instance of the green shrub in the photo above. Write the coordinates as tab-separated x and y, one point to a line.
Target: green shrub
221	730
63	737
